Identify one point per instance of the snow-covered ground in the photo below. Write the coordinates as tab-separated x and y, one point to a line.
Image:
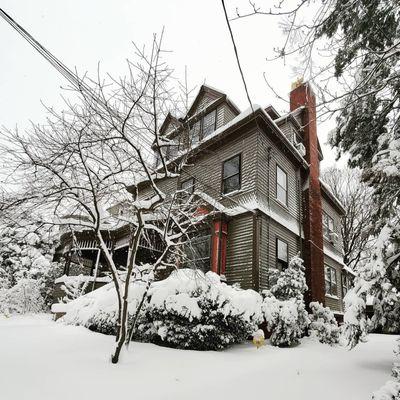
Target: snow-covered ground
41	359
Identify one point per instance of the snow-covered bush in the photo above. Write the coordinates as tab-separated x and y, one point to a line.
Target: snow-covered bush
284	320
24	297
284	308
188	310
26	257
74	287
391	389
323	324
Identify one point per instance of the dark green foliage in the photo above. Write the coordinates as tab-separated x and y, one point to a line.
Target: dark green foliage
213	331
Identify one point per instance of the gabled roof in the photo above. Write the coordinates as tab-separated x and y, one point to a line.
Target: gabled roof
270	110
213	93
169	118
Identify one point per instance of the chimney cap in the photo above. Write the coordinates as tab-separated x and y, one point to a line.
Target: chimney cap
298	82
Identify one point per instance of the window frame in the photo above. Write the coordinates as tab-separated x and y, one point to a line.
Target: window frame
214	111
346	286
277	184
187	193
223	179
199	238
326	229
330	286
278	261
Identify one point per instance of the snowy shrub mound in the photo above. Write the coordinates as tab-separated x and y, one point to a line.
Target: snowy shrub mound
188	310
323	324
283	306
24	297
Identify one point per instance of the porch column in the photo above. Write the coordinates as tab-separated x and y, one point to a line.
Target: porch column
219	238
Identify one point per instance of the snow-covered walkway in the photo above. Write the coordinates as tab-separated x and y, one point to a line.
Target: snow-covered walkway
43	360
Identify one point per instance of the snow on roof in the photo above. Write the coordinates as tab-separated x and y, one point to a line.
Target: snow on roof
329	191
336	257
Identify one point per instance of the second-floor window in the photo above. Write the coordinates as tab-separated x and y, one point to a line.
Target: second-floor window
281	185
231	175
187	187
327	224
282	254
330	281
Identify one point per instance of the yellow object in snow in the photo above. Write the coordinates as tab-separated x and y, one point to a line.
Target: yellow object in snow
258	341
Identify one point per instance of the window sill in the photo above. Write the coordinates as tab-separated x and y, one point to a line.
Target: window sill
283	205
331	296
231	193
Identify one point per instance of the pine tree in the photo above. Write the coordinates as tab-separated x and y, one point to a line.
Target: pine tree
284	308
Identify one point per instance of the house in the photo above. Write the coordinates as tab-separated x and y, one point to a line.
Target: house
259	171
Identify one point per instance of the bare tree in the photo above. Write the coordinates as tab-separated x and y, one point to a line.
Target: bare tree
93	155
356	227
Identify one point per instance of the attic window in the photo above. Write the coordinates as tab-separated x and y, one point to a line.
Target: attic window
203	128
195	131
209	123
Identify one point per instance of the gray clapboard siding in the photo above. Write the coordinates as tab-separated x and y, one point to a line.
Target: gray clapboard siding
240	251
267	176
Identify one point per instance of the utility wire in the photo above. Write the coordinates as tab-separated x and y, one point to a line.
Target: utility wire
237	55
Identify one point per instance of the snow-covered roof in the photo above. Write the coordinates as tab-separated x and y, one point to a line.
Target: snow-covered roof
331	195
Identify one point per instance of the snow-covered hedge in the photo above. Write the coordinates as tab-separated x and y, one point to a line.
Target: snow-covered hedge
323	324
188	310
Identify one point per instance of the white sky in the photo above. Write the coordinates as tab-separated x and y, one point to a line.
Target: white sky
82	33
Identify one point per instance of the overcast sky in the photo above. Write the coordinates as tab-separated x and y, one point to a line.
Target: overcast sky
83	33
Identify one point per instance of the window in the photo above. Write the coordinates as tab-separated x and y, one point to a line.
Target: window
330	281
327	224
282	256
231	179
194	133
346	283
203	128
209	123
188	187
198	250
281	185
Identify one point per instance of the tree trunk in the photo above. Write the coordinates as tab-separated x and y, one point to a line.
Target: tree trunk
121	334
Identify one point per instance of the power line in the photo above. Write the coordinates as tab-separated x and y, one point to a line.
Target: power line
237	55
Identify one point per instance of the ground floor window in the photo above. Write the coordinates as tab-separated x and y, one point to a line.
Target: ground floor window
330	281
282	254
198	251
346	283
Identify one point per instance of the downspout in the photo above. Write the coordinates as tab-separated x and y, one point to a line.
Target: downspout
269	208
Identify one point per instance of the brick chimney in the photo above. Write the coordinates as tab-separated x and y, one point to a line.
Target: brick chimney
302	95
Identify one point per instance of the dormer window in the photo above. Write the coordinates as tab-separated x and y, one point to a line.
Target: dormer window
209	121
195	132
203	128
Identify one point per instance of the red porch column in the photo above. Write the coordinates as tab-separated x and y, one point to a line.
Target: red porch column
219	238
